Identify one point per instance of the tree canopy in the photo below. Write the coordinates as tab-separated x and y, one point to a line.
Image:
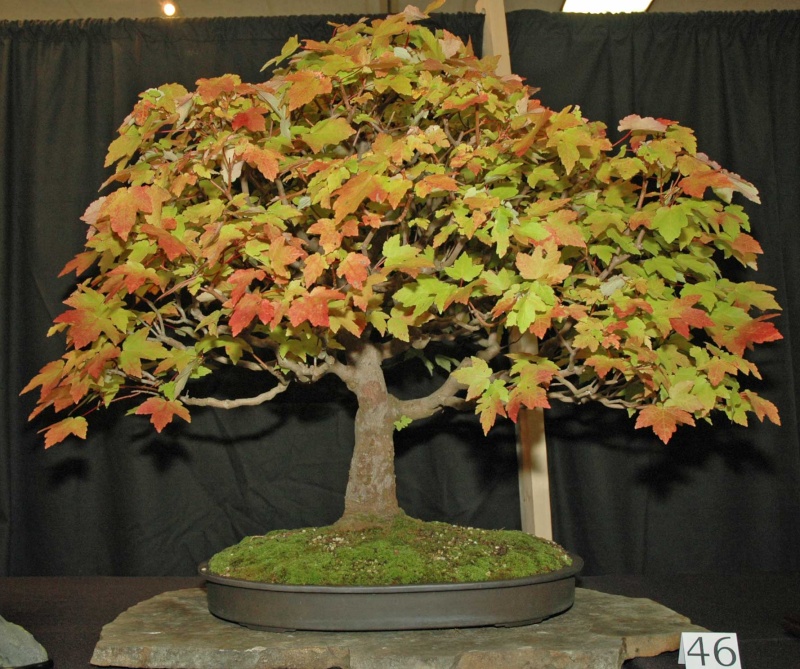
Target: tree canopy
387	188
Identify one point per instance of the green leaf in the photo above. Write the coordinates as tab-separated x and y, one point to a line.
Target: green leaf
138	347
403	257
288	49
123	146
326	132
670	221
464	269
402	422
476	376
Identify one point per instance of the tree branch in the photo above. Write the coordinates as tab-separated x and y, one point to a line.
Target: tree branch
232	404
445	396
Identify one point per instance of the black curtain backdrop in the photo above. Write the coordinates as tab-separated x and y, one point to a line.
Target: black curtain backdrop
719	498
130	502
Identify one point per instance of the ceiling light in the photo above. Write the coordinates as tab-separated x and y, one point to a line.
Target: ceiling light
169	9
603	6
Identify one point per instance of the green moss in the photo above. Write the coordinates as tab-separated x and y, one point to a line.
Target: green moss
407	551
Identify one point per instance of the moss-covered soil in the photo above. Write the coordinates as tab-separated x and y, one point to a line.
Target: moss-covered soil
405	552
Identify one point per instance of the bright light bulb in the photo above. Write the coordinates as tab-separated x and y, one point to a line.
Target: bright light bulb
603	6
169	8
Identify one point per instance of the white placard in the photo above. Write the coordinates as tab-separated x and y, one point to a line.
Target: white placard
709	650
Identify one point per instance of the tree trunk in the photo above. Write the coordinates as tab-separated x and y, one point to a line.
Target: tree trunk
371	495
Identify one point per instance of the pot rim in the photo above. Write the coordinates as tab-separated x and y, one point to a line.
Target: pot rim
558	574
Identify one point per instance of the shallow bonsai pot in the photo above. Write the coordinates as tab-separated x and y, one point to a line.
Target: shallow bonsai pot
277	607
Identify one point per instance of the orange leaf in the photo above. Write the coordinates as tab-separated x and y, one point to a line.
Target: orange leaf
281	255
69	426
763	408
663	420
96	366
265	160
169	244
435	182
211	89
696	183
48	378
531	398
161	411
718	368
305	86
746	247
80	263
122	206
357	189
355	268
313	267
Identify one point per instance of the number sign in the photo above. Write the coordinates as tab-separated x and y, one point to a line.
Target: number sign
709	650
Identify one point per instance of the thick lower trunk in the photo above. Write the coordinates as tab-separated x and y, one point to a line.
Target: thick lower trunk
371	495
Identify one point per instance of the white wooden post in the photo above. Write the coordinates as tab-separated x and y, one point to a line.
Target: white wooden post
534	482
495	33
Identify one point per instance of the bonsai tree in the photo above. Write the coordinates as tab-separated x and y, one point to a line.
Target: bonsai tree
386	196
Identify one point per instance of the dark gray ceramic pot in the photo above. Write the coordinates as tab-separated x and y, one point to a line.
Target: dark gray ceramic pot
391	607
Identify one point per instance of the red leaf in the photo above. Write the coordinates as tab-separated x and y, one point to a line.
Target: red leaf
69	426
313	307
687	316
240	280
250	306
161	411
757	331
252	119
663	420
85	326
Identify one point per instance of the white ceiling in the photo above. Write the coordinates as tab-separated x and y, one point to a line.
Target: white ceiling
17	10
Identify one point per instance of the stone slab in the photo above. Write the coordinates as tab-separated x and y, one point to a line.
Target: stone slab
18	647
174	630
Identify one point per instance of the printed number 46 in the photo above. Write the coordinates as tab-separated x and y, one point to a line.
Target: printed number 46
724	656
